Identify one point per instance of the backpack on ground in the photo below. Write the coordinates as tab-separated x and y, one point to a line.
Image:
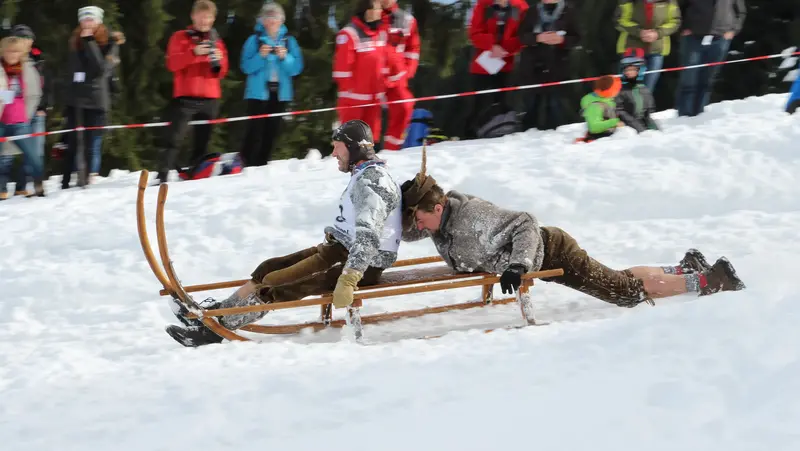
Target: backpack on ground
211	165
497	121
421	128
421	123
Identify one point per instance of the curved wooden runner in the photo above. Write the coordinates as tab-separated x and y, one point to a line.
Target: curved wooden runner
182	296
144	240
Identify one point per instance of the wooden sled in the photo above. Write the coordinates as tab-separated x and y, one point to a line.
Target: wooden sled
405	277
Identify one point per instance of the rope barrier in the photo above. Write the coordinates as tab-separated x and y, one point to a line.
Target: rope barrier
415	99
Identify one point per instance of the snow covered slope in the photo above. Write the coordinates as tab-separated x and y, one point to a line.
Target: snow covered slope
85	363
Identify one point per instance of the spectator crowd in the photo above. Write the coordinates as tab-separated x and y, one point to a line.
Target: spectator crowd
376	55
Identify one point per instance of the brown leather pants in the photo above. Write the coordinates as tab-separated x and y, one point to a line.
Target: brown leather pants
311	271
587	275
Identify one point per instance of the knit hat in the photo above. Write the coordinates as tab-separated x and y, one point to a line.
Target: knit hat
607	86
91	12
23	31
357	136
421	184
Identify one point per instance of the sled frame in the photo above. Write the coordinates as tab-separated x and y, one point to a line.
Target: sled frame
395	282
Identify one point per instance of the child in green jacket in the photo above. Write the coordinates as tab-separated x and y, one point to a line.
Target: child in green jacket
600	110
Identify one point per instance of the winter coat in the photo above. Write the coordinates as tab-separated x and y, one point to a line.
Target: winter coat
794	96
490	25
32	94
600	113
635	104
193	75
376	201
360	62
91	64
633	16
33	88
540	63
477	236
403	36
37	57
262	69
706	17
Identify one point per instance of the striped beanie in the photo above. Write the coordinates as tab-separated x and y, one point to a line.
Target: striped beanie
91	12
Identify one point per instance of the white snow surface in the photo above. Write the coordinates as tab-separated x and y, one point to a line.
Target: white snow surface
85	363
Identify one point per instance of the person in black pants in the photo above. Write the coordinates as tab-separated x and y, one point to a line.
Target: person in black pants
92	59
198	60
270	58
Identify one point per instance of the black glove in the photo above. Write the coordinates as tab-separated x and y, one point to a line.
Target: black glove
511	279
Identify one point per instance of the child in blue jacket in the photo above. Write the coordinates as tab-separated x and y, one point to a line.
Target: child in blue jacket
270	59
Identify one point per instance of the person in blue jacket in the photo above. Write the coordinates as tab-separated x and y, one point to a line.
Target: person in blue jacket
794	96
270	58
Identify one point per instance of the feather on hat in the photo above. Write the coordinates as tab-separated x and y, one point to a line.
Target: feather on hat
421	185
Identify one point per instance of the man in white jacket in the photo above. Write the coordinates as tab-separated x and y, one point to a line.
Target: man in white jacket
359	245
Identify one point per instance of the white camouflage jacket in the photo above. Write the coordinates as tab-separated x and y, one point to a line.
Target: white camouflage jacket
374	195
477	236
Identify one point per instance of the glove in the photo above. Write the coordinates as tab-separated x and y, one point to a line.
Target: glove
511	279
343	293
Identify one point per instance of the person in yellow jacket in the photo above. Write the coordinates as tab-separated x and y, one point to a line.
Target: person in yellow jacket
648	25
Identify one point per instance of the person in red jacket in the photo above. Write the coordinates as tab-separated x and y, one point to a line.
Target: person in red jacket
404	40
198	59
361	66
493	28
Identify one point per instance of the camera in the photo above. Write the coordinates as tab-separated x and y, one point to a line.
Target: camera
212	42
209	39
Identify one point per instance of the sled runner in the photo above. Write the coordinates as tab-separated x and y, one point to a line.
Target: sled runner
404	278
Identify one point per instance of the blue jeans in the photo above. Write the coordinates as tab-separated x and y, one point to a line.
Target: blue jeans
32	161
38	126
694	86
89	141
655	61
94	153
95	147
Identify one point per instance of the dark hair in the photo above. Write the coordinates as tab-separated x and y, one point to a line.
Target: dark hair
362	6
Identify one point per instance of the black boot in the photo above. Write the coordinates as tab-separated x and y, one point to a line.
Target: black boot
193	336
721	277
693	262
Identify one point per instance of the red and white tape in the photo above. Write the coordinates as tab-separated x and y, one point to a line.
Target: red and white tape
415	99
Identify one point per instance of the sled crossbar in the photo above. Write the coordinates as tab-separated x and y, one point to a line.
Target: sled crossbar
240	282
419	276
405	277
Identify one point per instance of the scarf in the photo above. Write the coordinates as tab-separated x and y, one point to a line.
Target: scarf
546	19
13	70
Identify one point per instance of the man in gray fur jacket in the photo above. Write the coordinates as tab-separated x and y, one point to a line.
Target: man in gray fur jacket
361	242
474	235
